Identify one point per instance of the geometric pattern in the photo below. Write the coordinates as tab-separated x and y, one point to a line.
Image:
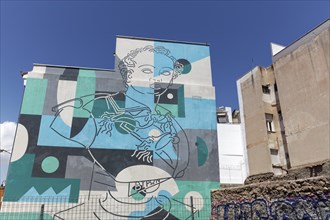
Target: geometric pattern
144	131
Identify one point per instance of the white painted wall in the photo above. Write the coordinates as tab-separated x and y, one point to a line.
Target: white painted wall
231	154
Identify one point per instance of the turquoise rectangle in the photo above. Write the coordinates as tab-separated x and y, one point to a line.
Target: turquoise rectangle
34	96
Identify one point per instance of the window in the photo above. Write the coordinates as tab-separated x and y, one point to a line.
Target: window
273	152
269	122
265	89
222	118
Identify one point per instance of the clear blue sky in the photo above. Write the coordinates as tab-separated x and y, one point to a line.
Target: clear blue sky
82	33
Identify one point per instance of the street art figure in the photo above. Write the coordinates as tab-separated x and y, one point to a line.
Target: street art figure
141	137
154	130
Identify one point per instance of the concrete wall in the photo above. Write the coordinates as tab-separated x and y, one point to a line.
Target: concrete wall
302	75
254	122
255	104
142	134
231	154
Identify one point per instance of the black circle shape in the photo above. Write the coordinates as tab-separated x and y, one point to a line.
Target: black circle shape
186	65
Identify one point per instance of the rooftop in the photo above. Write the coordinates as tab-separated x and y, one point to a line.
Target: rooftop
162	40
302	40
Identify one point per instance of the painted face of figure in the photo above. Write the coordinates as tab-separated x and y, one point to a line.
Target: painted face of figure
152	70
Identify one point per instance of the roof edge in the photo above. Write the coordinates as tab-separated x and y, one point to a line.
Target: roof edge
74	67
162	40
302	40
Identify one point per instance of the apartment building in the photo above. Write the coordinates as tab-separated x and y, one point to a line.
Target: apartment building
285	107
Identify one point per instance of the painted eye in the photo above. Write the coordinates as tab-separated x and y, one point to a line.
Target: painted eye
147	71
166	73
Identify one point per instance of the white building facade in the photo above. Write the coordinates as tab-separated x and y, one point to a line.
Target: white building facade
232	159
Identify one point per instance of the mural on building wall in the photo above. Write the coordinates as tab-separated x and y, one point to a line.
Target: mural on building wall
139	132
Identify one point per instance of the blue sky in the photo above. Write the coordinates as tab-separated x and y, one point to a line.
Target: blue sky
82	33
